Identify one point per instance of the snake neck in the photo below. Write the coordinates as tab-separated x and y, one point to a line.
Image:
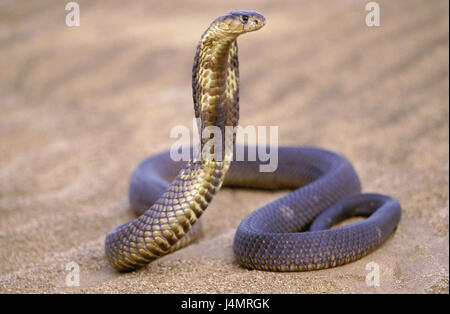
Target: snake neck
215	84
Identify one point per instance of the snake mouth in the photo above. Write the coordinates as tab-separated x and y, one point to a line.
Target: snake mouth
254	25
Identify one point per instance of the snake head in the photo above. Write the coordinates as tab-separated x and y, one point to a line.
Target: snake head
239	22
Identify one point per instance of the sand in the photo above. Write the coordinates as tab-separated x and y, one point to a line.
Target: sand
81	106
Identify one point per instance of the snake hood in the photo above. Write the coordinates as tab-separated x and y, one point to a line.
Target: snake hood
239	22
215	73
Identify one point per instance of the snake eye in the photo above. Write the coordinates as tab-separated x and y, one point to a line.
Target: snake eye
245	18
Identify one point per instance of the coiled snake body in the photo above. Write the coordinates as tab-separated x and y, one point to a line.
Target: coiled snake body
327	186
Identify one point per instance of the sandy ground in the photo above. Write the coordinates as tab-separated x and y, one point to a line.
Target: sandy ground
80	107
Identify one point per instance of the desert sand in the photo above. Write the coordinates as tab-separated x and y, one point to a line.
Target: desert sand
81	106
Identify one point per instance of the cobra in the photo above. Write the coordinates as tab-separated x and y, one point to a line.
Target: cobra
170	197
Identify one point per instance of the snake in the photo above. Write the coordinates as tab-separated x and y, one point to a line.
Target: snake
299	231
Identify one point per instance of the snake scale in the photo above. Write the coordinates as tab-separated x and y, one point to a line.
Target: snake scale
326	187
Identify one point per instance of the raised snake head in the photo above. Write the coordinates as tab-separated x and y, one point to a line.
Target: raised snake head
239	22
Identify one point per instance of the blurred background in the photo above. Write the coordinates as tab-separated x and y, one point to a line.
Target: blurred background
81	106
